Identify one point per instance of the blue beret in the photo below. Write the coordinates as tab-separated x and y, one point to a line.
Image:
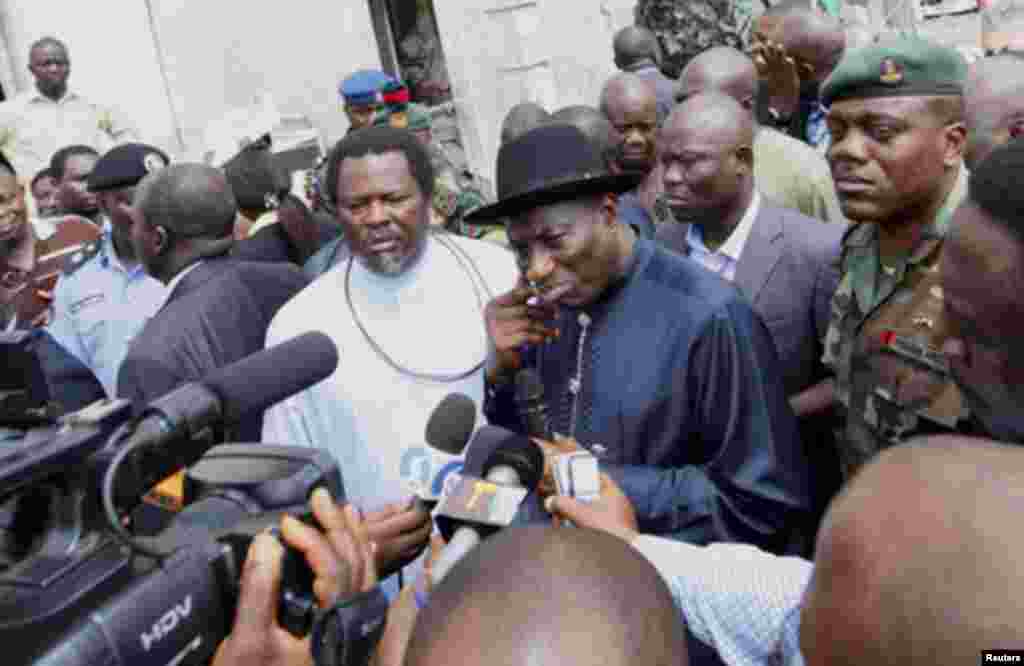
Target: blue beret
364	87
907	66
125	166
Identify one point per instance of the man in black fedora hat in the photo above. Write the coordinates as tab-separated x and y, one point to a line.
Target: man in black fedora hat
658	367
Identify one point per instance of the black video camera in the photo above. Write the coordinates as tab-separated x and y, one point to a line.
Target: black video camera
77	587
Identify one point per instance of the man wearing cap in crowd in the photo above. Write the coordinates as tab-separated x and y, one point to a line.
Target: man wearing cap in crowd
104	297
896	119
363	96
657	366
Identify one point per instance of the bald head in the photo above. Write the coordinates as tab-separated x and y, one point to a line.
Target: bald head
713	117
815	39
707	162
522	118
993	105
721	69
635	47
537	595
630	104
591	122
918	560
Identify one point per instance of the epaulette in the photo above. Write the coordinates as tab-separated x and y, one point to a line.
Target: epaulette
81	257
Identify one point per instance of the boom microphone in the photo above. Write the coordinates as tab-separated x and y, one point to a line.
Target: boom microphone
167	438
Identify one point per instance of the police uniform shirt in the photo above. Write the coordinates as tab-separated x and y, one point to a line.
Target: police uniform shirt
100	306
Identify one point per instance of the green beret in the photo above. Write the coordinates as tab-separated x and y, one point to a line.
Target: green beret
903	67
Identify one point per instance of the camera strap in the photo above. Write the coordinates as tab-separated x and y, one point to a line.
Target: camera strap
347	633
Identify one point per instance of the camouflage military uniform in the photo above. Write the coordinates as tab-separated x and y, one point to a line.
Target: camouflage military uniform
884	343
456	193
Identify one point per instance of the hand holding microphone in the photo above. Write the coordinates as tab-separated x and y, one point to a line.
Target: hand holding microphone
612	512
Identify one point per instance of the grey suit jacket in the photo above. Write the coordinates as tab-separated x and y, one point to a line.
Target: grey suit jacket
789	270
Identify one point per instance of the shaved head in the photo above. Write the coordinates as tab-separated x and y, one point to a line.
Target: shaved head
706	157
627	90
722	69
634	46
994	105
630	103
540	596
591	122
814	38
918	560
522	118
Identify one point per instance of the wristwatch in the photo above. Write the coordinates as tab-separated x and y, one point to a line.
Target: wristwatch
347	633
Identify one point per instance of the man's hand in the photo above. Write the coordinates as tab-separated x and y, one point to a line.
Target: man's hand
613	513
399	532
404	611
553	449
779	75
341	556
342	562
514	319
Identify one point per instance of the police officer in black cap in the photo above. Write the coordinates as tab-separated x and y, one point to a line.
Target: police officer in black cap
104	295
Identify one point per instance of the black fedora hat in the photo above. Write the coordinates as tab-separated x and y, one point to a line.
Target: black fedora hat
548	164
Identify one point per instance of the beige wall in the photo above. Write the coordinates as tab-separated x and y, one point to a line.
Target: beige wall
222	54
501	52
119	70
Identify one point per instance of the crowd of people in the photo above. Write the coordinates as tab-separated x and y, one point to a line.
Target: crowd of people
775	298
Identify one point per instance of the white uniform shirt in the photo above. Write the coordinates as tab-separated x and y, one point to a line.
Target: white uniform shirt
33	127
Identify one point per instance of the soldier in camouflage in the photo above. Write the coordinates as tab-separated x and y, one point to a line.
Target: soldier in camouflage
456	191
896	119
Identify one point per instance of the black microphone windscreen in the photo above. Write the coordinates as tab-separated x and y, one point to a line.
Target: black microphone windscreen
521	454
451	423
528	386
265	378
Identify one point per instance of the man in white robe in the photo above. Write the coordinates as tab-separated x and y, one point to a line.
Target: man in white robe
405	310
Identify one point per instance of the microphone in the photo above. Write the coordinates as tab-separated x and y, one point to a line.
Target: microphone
451	423
517	462
168	435
529	399
425	469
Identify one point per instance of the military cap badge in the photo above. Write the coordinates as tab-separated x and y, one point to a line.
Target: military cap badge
892	72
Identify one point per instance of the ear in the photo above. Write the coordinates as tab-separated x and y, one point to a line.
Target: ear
955	137
610	208
745	158
1016	127
163	240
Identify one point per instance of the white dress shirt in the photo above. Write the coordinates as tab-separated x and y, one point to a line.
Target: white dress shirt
742	602
723	261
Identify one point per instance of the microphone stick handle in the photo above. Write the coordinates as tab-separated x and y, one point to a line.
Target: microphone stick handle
464	540
467	538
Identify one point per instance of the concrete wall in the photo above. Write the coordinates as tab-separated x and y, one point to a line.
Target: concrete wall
113	59
501	52
222	55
